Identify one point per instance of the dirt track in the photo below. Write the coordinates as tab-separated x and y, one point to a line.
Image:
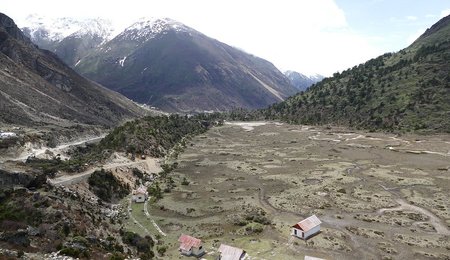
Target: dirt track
149	165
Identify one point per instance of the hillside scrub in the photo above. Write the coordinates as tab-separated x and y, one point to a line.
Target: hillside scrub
106	186
154	136
402	92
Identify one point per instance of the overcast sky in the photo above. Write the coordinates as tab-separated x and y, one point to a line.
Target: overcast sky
309	36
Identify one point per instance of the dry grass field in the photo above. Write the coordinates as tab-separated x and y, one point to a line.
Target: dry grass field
379	196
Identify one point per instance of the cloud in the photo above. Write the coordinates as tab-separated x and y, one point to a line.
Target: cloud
411	18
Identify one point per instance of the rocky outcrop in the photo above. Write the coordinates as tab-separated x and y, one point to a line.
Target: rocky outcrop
8	180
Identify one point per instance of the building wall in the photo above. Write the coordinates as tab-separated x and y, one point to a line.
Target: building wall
138	198
197	251
312	231
299	232
185	252
307	234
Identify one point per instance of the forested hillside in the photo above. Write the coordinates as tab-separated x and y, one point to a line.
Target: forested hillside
408	91
154	135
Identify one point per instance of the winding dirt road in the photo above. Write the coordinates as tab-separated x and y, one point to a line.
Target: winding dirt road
151	164
437	223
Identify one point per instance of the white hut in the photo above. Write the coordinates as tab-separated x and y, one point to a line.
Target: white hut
306	227
140	195
190	246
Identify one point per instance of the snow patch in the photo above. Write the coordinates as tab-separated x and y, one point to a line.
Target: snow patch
148	28
56	29
122	61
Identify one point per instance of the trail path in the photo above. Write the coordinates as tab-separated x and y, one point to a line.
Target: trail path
440	227
153	221
56	150
137	222
151	164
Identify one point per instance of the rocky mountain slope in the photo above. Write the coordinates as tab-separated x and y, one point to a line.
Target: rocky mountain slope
37	88
69	38
408	90
301	81
88	218
166	64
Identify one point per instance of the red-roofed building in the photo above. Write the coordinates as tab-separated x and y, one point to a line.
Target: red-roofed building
190	246
306	227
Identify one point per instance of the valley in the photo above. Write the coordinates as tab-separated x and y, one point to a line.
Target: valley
113	143
379	196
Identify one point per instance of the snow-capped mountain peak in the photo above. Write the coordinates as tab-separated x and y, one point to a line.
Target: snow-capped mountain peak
148	28
56	29
316	77
301	81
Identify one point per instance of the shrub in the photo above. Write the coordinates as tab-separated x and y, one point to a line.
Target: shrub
184	181
70	251
161	250
155	191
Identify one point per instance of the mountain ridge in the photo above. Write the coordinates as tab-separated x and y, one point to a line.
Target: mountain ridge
301	81
69	38
39	89
164	63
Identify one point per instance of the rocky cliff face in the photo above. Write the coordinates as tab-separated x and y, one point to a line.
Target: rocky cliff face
37	88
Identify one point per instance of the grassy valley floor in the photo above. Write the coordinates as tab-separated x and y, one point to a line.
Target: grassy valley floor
379	196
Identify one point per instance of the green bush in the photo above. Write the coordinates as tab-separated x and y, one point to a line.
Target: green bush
70	251
153	135
184	181
155	191
161	250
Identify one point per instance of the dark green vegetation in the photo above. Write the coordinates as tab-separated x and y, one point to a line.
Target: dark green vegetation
176	68
155	191
155	135
11	212
51	166
107	187
406	91
143	245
